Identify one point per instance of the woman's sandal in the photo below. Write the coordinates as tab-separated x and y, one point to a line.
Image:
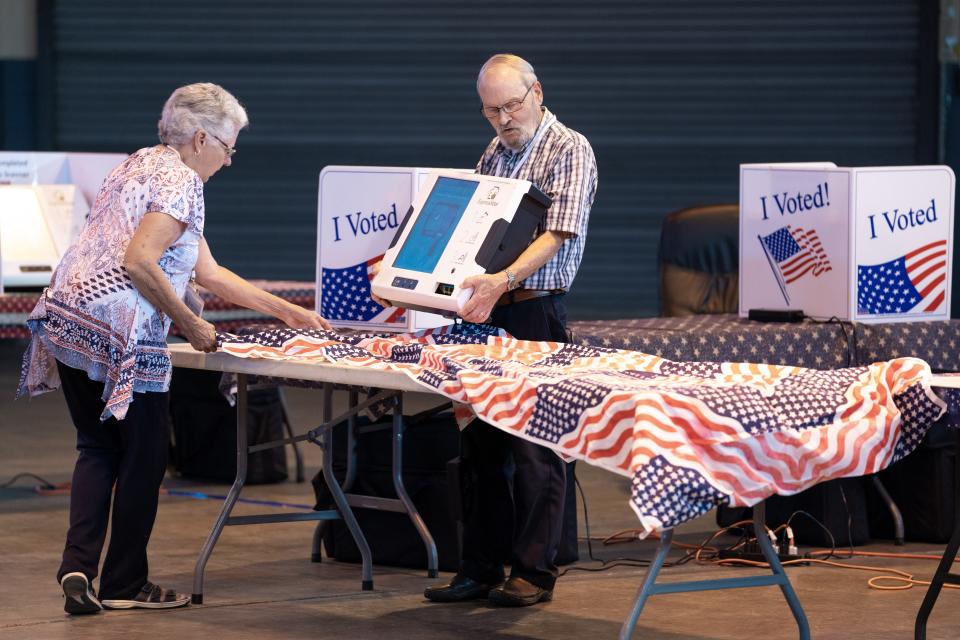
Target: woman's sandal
151	596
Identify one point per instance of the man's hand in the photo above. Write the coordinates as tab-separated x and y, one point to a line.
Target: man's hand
374	269
300	318
487	289
201	335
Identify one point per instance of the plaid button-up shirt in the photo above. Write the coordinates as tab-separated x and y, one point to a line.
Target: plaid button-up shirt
562	165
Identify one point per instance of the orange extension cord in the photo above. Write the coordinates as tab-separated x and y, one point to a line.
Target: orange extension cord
900	580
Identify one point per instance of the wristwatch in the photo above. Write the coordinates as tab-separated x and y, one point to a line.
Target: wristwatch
511	280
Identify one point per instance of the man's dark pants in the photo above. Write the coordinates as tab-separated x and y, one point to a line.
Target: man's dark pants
513	490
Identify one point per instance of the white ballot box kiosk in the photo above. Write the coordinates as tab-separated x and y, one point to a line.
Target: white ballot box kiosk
864	244
359	210
457	226
44	200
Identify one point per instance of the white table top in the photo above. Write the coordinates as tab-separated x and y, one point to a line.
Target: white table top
951	381
183	355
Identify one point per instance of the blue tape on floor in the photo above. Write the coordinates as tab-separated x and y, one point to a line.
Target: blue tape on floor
210	496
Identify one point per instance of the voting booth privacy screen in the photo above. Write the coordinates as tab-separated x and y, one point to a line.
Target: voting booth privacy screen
44	202
37	224
458	226
359	210
865	244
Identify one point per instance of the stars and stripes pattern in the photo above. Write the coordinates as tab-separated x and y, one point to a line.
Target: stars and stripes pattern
915	281
796	252
346	295
689	435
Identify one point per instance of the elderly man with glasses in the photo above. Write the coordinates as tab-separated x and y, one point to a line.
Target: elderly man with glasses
514	489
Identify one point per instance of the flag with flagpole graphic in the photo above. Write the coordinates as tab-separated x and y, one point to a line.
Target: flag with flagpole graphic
347	296
915	281
793	254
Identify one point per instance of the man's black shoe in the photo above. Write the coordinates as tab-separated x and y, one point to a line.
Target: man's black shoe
459	589
517	592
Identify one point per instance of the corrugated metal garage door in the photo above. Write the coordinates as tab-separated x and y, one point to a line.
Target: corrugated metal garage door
673	97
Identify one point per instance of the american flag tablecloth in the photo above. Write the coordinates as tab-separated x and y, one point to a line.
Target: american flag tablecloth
689	435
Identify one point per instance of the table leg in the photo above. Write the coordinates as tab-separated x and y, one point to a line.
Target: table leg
353	397
402	495
943	574
646	587
759	528
337	492
936	583
316	554
297	456
241	477
649	587
898	532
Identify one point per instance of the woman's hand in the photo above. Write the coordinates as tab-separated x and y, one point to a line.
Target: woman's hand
300	318
373	270
201	334
383	302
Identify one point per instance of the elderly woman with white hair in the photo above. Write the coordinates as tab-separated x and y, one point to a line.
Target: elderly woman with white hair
100	331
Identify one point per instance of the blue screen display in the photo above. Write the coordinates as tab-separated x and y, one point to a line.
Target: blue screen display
440	215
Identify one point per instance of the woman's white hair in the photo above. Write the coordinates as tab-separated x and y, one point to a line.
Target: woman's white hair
518	64
203	105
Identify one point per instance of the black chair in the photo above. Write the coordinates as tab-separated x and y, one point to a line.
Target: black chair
699	260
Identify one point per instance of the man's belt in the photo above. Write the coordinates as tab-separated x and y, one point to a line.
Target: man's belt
522	295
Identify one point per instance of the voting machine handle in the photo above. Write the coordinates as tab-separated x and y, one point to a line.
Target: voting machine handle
500	249
401	227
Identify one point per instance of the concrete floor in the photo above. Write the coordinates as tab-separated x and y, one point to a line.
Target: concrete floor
261	584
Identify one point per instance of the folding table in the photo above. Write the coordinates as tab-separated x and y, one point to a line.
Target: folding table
392	384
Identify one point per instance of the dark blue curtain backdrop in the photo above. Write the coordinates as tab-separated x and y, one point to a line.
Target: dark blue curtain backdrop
673	96
18	104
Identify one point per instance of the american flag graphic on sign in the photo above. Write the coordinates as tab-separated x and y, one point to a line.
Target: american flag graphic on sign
795	253
688	435
346	295
913	282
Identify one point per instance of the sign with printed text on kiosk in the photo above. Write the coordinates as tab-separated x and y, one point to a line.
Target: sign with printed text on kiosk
458	226
359	209
44	201
864	244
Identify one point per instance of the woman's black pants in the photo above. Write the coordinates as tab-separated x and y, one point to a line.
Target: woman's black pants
123	460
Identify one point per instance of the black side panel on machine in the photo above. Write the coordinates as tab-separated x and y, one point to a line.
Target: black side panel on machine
507	240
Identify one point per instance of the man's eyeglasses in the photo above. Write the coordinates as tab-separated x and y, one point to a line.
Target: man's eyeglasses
226	148
511	107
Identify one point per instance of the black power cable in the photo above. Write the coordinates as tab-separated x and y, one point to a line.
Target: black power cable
43	483
613	562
